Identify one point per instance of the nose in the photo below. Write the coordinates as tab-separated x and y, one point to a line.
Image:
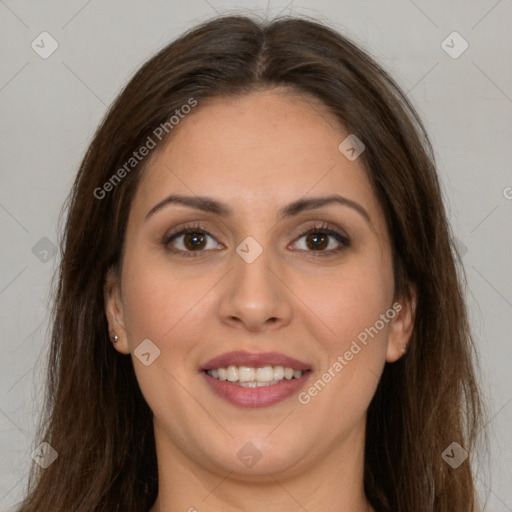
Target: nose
255	296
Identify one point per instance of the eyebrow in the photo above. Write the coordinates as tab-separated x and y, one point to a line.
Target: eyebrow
211	205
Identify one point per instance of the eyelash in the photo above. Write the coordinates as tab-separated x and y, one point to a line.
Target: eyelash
322	229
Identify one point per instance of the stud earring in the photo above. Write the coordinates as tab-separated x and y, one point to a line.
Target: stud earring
116	338
404	348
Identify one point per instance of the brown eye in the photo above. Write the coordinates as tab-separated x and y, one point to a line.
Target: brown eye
190	241
194	240
317	241
322	240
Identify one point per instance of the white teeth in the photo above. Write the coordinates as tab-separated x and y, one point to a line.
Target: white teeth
250	377
232	373
245	374
278	372
265	374
255	384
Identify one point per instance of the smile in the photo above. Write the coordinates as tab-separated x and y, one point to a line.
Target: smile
251	377
255	379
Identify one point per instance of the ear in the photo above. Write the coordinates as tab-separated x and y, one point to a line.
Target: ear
401	326
114	311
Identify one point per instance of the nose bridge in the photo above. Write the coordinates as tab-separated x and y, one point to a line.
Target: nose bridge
253	269
254	279
255	295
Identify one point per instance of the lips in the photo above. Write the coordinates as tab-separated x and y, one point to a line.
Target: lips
254	359
252	397
255	397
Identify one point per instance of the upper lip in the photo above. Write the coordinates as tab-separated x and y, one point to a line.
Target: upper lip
254	359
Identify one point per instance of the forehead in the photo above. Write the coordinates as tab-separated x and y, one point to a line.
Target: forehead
256	152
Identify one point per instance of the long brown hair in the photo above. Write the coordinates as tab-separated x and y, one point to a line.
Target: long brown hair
96	418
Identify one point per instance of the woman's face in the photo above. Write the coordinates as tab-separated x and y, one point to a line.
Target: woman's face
247	280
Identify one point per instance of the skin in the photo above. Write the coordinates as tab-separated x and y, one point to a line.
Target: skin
257	153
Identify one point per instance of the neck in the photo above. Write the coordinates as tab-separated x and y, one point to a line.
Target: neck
332	480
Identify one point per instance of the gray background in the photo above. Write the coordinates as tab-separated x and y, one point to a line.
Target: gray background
51	107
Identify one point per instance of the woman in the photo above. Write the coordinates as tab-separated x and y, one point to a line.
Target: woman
258	305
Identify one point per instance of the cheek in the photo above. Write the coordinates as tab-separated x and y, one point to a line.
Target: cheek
156	299
168	305
354	345
162	305
353	306
352	300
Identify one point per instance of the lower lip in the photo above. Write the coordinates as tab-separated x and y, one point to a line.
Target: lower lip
256	397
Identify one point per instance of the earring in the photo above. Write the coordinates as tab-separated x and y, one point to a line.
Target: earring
404	348
116	338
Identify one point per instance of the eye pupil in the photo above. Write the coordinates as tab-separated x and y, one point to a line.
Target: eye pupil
319	241
197	240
